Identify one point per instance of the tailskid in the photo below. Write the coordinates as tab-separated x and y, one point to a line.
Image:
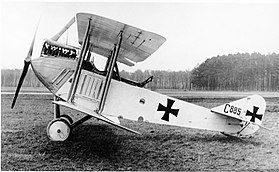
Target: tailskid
239	134
236	136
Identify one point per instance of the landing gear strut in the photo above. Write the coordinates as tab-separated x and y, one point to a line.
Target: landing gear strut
60	128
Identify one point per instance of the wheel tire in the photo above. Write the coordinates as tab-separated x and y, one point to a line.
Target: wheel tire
68	118
58	130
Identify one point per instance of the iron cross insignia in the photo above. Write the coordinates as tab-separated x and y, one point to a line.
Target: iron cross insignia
167	110
254	114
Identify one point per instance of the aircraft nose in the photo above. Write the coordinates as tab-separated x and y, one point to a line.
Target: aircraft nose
48	69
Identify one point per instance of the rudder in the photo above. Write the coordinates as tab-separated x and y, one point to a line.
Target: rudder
249	111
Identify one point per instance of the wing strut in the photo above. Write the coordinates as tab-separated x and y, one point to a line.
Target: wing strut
58	35
82	55
110	68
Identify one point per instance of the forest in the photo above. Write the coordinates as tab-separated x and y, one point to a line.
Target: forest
237	72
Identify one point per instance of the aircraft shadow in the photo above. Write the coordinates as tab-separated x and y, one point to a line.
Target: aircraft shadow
206	137
224	139
86	142
101	143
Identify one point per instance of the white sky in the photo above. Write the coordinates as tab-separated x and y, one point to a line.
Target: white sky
194	31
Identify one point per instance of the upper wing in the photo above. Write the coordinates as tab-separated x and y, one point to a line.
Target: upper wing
136	46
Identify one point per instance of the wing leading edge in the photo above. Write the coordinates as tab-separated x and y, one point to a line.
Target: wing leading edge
136	46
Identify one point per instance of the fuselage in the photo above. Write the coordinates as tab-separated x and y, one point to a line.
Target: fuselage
58	62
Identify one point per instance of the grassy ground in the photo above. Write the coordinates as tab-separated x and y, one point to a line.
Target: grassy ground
98	146
25	89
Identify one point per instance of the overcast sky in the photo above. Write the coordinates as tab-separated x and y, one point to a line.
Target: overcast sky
194	31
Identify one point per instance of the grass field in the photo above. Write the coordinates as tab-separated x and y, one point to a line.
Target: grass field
98	146
25	89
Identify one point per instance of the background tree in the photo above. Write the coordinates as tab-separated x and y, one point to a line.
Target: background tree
239	72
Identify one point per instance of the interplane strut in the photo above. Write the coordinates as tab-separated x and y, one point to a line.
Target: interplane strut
82	55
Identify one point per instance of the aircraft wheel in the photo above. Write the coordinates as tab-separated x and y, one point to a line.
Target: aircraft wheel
58	130
68	118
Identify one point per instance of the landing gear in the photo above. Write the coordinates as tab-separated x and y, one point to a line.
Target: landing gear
68	118
58	129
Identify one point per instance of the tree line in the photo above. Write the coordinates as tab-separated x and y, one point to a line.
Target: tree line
10	78
238	72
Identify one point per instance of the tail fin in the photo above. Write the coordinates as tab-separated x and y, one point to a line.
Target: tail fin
249	110
255	109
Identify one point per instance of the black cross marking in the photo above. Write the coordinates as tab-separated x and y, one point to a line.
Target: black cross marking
254	114
167	110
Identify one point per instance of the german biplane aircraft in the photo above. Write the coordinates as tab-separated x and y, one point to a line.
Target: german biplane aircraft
76	83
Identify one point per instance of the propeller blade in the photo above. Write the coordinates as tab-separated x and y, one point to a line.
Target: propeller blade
23	74
29	55
27	62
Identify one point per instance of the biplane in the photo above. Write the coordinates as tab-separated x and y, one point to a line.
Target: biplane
69	73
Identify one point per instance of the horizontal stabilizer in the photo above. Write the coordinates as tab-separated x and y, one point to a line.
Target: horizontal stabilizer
250	109
109	120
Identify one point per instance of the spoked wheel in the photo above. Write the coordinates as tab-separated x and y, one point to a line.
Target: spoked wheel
59	129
